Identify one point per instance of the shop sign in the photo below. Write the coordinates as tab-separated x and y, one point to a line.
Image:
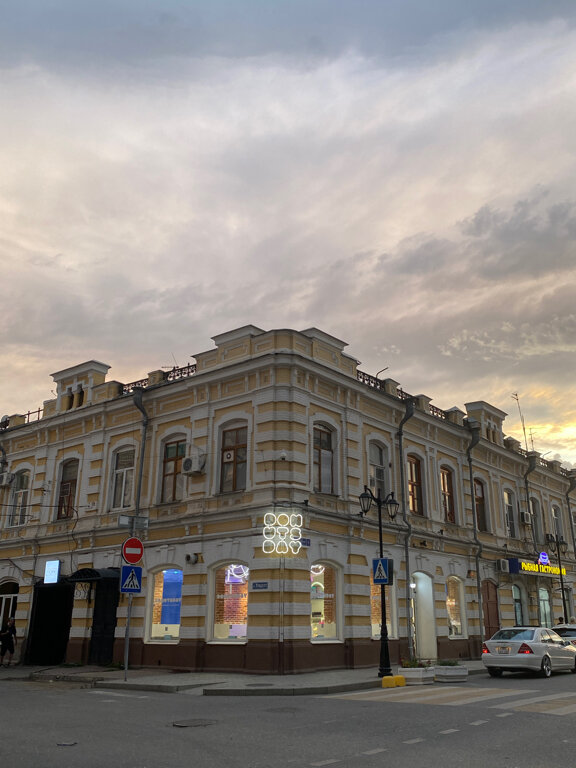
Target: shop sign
282	533
260	585
540	568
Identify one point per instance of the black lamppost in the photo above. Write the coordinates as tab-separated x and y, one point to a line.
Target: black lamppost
391	505
559	547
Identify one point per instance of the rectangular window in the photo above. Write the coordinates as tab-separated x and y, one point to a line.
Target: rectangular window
233	460
123	478
480	505
172	477
414	486
509	514
323	461
447	495
17	515
67	490
377	478
453	608
231	603
323	604
166	606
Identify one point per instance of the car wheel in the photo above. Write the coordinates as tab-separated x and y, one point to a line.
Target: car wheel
496	672
546	667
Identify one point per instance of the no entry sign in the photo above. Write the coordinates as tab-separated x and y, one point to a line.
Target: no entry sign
132	550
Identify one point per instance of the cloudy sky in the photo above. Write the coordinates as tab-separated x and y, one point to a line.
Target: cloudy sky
398	173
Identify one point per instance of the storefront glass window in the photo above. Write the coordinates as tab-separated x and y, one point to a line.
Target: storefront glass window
376	610
323	602
167	604
518	612
453	607
231	603
545	611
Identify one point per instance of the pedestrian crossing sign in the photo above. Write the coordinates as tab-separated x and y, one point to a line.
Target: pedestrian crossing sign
382	570
131	579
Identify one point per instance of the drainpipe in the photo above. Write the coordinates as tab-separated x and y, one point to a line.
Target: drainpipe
410	408
474	428
532	464
137	398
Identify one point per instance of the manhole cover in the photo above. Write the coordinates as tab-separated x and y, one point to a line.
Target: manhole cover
193	723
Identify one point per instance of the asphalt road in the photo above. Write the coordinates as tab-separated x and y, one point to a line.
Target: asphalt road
511	722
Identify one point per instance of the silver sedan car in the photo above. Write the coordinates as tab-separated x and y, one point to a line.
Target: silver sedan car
528	649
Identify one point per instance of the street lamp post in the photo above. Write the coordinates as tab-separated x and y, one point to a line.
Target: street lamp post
366	499
559	547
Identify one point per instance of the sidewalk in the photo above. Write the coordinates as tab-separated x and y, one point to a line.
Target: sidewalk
210	683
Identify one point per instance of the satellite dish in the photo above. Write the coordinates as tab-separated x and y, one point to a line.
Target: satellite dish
4	421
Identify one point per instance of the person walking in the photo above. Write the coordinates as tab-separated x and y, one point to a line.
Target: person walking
7	641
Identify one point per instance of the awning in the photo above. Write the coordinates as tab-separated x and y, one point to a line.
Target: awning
93	574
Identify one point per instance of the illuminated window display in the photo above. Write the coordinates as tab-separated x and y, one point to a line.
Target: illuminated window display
453	606
323	602
231	603
167	603
376	610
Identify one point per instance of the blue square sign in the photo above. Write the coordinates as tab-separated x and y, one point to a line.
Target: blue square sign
382	570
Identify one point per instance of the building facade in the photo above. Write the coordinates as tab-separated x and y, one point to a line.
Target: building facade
241	474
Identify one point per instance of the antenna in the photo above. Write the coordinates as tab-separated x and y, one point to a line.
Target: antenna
516	397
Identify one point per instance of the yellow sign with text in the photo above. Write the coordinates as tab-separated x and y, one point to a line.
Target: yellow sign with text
550	570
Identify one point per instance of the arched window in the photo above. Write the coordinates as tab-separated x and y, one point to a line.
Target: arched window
233	459
480	504
8	601
67	489
123	483
447	489
545	609
455	607
376	611
378	466
19	501
518	606
323	602
415	485
510	514
172	477
231	602
323	460
166	605
557	527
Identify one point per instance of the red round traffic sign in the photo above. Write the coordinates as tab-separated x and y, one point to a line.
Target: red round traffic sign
132	550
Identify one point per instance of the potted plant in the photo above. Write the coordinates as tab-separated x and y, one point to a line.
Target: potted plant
417	671
450	671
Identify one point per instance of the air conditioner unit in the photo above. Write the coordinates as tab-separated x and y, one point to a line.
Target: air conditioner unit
503	565
194	464
6	479
526	518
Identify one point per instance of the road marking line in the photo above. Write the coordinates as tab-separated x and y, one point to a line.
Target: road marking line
505	714
451	730
413	741
535	700
325	762
119	695
375	751
478	722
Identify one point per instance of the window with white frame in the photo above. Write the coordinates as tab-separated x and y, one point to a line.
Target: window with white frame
510	513
480	505
8	601
67	489
323	460
557	527
231	602
545	608
19	502
323	602
415	496
233	459
518	606
447	491
166	605
455	606
378	466
123	478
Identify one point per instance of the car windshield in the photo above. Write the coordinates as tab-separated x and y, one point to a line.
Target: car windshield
514	633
